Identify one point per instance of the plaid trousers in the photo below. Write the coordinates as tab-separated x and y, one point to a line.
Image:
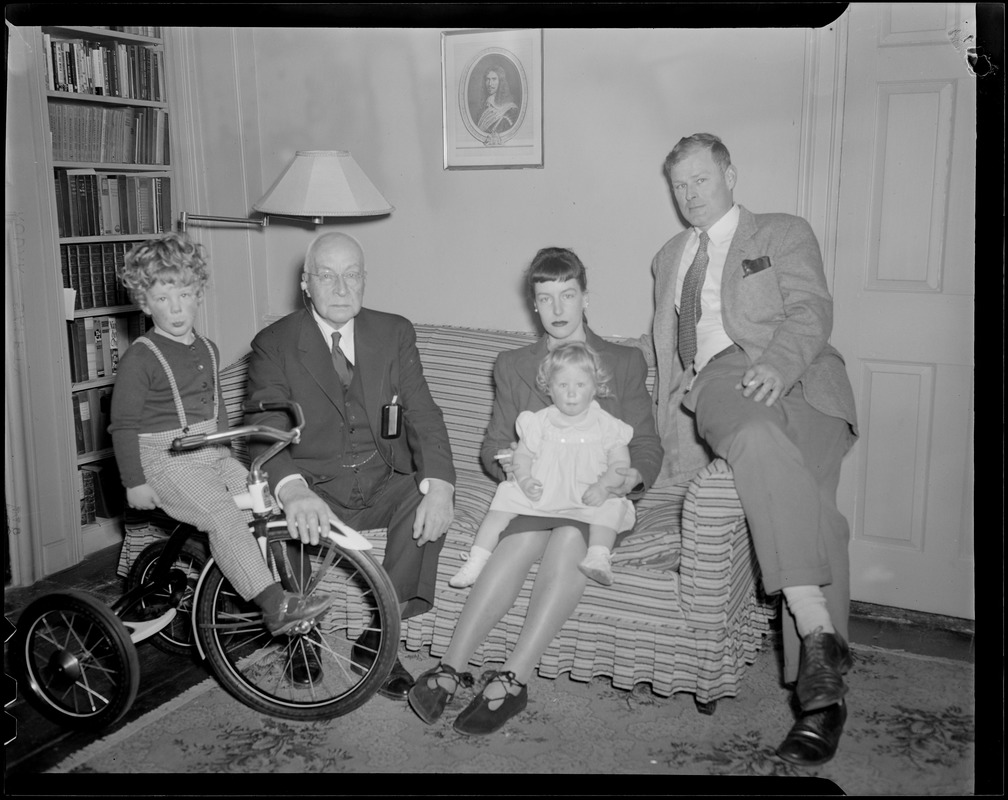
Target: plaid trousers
196	487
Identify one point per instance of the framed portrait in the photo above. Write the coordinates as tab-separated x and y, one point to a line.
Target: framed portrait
492	98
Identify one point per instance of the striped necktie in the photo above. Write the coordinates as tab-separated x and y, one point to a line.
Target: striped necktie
339	360
689	302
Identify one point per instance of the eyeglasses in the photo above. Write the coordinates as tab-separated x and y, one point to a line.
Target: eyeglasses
351	279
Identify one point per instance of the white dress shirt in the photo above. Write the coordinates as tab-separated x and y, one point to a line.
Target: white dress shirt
711	336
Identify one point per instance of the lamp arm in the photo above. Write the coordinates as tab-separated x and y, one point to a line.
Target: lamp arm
185	217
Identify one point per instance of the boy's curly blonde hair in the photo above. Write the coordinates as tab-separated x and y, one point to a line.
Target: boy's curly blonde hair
172	259
574	354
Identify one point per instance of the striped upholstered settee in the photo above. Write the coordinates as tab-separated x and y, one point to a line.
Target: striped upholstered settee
685	612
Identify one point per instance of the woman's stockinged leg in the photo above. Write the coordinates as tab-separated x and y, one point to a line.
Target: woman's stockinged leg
494	593
557	591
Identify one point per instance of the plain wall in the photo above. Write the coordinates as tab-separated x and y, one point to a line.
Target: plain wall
453	250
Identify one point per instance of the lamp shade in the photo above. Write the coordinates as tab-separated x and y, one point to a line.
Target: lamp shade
323	183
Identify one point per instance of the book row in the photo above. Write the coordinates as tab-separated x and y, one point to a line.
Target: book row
96	343
109	134
133	71
154	31
100	490
86	480
90	203
91	271
91	419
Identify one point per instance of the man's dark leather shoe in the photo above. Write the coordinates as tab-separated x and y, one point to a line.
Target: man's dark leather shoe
814	737
362	656
825	659
398	684
304	667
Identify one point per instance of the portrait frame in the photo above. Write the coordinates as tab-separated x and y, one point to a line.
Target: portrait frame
492	98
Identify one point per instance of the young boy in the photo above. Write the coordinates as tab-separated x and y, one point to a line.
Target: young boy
166	387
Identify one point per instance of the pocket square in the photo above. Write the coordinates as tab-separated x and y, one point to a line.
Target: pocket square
752	266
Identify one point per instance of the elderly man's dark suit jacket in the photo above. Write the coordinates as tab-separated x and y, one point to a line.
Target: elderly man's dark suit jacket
291	361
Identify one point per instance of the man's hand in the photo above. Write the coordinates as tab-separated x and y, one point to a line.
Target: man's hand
631	478
506	459
307	514
435	512
765	381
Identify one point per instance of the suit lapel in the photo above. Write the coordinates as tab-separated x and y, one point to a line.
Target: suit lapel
528	365
317	359
370	355
740	248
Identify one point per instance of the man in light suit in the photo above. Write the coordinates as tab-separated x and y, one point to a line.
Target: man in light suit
343	467
742	319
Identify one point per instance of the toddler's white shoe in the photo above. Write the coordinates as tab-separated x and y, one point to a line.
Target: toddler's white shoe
597	565
472	568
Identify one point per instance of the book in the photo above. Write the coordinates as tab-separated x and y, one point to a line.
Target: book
72	350
89	344
99	348
80	355
113	296
123	204
113	339
114	221
80	266
145	203
109	495
132	205
78	425
66	196
106	207
163	195
84	216
68	253
106	349
85	417
86	478
100	400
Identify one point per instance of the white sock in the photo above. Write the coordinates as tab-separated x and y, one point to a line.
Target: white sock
598	550
479	555
808	605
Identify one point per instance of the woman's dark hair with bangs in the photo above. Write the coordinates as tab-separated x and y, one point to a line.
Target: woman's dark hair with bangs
555	264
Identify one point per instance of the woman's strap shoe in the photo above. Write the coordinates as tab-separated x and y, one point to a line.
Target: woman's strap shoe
428	697
478	719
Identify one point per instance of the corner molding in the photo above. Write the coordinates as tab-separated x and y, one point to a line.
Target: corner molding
825	71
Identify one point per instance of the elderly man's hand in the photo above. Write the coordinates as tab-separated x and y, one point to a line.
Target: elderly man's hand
307	514
435	512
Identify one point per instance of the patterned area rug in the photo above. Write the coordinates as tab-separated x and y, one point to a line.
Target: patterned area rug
910	731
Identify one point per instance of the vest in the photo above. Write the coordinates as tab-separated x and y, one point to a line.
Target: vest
363	473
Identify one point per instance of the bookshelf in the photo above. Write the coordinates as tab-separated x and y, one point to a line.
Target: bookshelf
109	173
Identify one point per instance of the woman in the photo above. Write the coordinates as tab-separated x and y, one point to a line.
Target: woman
558	286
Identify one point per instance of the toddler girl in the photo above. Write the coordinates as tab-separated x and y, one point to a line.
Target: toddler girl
567	459
166	387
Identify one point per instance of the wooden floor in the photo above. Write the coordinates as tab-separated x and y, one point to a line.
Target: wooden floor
39	744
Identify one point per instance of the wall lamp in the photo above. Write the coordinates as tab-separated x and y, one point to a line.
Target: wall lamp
316	184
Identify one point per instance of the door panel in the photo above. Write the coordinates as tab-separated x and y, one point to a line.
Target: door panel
903	296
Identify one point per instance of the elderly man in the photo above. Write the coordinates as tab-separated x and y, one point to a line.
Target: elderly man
343	362
742	319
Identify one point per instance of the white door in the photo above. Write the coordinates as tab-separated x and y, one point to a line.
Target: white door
903	297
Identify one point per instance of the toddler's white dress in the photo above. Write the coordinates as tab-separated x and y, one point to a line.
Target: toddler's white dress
567	460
